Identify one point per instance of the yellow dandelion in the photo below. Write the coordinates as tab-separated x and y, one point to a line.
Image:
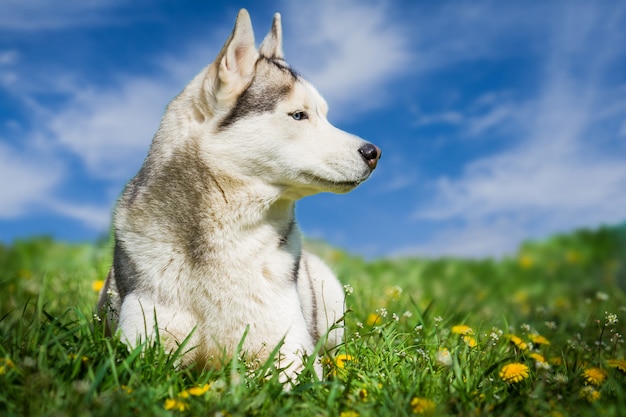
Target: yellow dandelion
537	357
349	413
525	261
174	404
618	364
422	405
97	285
5	364
471	342
462	329
539	339
373	319
590	394
341	359
594	376
363	394
556	360
443	357
198	391
513	373
573	257
517	341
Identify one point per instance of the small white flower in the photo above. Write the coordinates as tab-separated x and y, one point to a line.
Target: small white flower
610	318
602	296
348	289
419	327
407	314
395	317
382	312
438	319
550	325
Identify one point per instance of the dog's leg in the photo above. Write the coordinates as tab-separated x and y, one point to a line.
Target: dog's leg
140	317
322	300
109	304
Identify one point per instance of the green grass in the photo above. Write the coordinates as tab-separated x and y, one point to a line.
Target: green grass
402	355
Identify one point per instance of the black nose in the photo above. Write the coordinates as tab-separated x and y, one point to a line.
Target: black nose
371	154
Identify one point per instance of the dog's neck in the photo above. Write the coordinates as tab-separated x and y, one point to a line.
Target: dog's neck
196	211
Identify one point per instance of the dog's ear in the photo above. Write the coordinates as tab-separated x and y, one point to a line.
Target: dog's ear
237	58
272	45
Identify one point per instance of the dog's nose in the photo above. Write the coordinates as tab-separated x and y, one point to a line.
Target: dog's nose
371	153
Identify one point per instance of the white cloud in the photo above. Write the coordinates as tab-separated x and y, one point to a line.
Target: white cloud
42	14
111	129
26	181
349	51
96	217
562	171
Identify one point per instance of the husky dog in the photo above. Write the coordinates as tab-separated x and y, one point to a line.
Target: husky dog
207	249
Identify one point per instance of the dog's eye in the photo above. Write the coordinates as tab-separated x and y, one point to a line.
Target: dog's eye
299	115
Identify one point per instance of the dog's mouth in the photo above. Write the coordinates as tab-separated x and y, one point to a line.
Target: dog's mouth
331	185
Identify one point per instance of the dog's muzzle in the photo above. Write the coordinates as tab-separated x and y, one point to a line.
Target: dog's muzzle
371	153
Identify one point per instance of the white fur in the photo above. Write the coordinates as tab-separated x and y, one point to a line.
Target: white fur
205	241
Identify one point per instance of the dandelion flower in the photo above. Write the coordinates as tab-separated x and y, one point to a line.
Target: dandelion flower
349	413
363	394
462	329
617	363
422	405
174	404
443	357
525	261
471	342
198	391
373	319
539	339
513	373
97	285
594	376
341	359
5	363
517	341
590	394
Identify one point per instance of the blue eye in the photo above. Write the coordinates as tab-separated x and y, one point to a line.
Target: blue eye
299	115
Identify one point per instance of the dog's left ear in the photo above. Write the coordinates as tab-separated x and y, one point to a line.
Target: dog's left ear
272	45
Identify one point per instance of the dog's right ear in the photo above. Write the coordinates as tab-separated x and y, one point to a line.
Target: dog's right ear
235	63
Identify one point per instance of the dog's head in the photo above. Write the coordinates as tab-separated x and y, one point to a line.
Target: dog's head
254	116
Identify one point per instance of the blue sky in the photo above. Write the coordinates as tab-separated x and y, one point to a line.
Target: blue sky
499	121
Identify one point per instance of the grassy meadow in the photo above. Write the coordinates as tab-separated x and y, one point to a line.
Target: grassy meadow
538	334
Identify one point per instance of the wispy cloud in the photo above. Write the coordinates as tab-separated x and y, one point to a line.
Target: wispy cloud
349	50
27	183
28	15
559	172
